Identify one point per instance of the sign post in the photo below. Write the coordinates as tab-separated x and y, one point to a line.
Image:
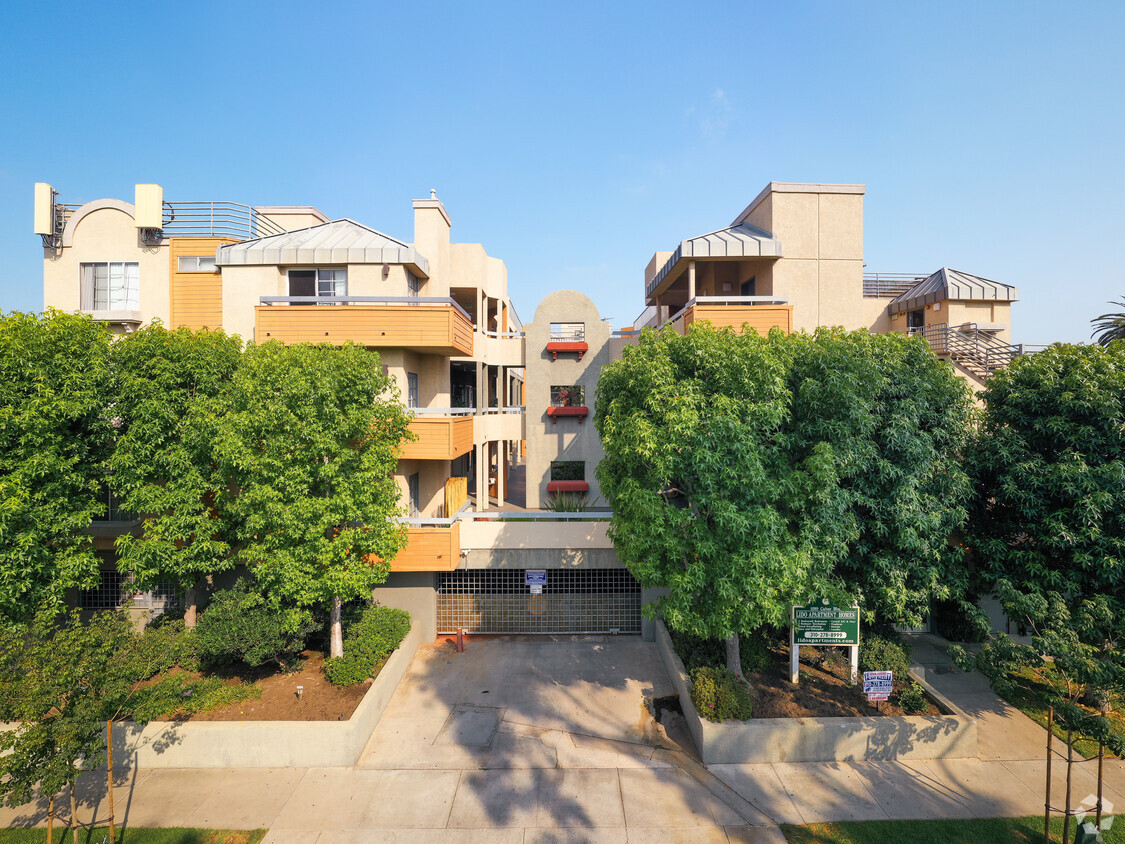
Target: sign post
823	624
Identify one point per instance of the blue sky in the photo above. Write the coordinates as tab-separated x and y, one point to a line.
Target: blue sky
574	140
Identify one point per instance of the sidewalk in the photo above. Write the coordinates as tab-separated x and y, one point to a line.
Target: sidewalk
1008	779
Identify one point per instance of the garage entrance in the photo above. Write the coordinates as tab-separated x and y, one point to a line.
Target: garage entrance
572	601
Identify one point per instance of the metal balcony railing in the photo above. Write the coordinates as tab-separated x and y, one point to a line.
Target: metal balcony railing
216	219
980	351
404	301
888	285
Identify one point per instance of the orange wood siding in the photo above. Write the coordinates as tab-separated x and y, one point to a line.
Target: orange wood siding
197	297
761	318
437	329
439	438
430	549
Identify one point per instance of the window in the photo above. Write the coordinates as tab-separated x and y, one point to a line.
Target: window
568	332
113	511
414	488
569	396
749	287
412	389
568	470
112	286
115	589
196	264
413	283
323	284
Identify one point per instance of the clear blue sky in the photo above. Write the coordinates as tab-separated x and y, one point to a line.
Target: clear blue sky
575	139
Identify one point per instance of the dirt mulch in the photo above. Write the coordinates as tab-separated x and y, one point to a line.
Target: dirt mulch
823	692
319	700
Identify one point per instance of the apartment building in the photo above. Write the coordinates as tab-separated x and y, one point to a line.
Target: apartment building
503	411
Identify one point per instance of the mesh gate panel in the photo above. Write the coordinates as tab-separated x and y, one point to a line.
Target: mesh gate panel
573	601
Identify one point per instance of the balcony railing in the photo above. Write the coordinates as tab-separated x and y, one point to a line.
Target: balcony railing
888	285
216	219
761	313
982	352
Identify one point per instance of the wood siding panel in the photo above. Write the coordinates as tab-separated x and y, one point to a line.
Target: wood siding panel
439	438
761	318
196	297
427	328
430	549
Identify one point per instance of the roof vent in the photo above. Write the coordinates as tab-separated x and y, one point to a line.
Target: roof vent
433	194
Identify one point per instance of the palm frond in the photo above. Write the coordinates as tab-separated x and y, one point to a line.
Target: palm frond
1109	327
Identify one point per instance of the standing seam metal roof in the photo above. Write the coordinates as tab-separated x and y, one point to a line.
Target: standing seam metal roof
740	241
338	242
952	284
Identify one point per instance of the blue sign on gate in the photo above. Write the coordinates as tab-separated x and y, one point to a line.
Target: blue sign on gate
535	577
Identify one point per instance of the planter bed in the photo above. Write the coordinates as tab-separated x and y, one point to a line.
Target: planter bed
951	735
265	744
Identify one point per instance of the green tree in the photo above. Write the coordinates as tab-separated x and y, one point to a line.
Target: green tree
896	420
310	442
1047	530
169	403
55	435
706	501
1111	326
61	679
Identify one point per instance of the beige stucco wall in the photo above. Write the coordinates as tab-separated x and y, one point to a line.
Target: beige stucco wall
431	238
432	475
106	232
243	288
432	372
566	439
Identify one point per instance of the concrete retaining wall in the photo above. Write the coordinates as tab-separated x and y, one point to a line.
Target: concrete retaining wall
265	744
950	736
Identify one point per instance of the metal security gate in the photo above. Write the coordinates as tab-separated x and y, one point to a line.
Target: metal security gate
572	601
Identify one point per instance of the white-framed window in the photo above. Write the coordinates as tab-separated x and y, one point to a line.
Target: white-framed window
196	264
111	286
324	284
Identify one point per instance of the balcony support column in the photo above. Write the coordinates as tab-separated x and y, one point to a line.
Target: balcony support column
482	386
482	476
501	456
691	280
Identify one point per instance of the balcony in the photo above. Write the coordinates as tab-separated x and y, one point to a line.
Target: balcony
216	219
430	548
437	326
443	434
760	313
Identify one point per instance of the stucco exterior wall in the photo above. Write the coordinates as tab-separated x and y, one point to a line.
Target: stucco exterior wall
567	438
243	288
106	231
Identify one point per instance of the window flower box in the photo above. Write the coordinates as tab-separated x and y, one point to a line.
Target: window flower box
580	411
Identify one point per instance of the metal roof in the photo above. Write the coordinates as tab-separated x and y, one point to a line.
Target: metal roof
338	242
948	284
738	241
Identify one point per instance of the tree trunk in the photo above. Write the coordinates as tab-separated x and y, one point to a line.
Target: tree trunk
191	598
1097	699
109	776
336	631
73	814
734	658
51	820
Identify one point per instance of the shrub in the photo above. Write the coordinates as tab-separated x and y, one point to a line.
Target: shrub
240	625
369	637
179	695
719	694
912	698
164	644
696	652
880	653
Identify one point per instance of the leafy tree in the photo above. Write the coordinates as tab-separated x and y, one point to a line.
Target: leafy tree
310	441
1111	326
61	679
239	625
54	438
896	419
1047	530
706	501
169	402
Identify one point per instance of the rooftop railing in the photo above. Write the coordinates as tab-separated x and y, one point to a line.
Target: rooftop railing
888	285
216	219
734	301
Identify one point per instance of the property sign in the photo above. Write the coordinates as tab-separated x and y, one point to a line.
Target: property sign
877	685
535	577
536	589
824	624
